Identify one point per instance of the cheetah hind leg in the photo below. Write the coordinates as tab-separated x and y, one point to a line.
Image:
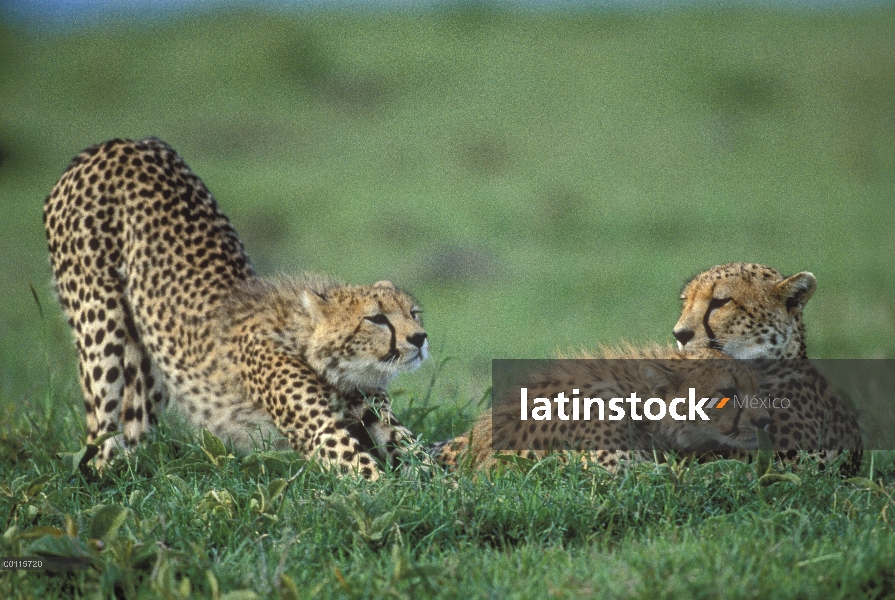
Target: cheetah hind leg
145	396
123	389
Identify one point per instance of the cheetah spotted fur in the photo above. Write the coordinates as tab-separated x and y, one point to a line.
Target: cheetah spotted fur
659	372
166	309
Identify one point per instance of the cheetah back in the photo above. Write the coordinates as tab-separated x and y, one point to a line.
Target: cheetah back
662	372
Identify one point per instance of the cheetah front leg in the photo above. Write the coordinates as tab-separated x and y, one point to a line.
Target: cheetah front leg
304	407
390	438
331	440
315	428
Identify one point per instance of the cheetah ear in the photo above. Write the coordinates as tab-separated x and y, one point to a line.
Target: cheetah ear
384	284
797	290
657	376
314	304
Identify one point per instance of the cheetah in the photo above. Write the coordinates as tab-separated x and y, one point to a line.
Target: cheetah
166	309
751	311
657	372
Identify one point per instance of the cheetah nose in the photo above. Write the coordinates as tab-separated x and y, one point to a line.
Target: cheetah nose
417	339
683	335
762	421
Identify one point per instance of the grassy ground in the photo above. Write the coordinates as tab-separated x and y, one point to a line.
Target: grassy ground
540	182
179	522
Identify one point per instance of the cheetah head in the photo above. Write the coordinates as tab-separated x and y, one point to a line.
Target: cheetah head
746	311
361	337
731	427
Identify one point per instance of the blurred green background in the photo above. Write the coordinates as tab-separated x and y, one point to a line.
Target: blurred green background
539	180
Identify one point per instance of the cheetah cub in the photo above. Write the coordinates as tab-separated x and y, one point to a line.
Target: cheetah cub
166	309
751	311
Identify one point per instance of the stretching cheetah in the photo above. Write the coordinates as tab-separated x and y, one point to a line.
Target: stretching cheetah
166	309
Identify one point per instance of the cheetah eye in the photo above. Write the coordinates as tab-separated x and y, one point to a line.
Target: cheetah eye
415	314
717	303
379	319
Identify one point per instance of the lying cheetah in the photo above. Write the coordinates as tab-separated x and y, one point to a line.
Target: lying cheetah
752	311
166	308
658	372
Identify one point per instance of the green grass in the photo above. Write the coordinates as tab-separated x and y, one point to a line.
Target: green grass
539	182
179	520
